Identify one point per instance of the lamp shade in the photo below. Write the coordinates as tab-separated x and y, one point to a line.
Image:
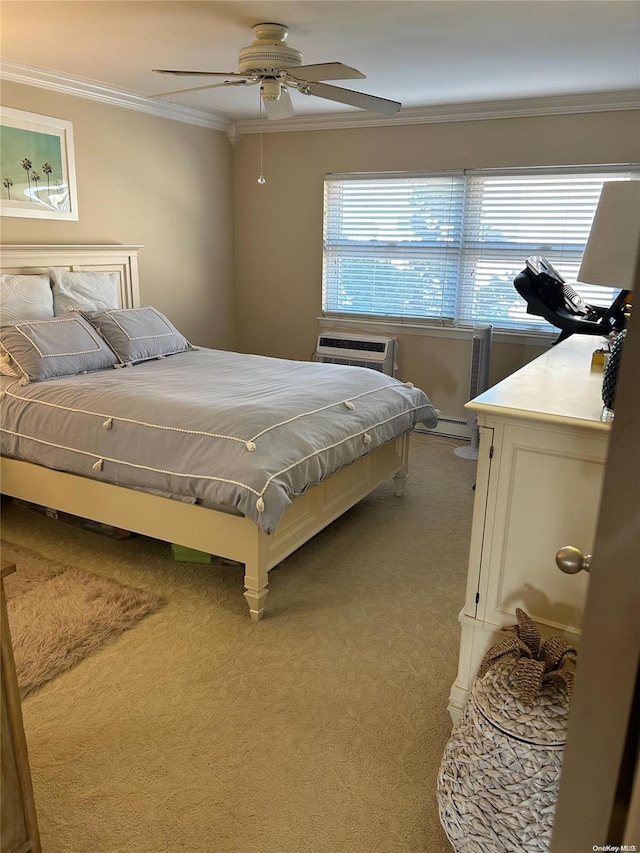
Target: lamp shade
613	247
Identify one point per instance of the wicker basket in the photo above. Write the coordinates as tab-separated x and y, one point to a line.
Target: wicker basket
499	776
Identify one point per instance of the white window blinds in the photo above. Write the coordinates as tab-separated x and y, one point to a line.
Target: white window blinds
392	245
445	248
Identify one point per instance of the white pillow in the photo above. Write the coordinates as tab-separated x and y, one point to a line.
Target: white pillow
24	298
84	291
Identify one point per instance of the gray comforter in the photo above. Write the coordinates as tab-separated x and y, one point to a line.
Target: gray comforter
243	431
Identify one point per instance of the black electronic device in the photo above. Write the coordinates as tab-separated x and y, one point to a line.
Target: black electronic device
548	295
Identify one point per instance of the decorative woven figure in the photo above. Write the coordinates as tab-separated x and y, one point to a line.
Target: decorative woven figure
499	777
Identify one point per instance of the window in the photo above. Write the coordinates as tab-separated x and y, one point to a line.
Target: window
444	248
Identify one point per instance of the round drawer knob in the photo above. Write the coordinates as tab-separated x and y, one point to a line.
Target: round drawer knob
571	560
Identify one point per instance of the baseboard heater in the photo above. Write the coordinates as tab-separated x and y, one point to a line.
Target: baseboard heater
449	427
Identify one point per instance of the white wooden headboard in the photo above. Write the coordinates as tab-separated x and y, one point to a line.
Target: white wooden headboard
35	259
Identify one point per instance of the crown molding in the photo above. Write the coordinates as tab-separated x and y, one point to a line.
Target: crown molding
556	105
553	105
79	88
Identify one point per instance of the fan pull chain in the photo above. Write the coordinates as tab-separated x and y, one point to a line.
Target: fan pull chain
261	180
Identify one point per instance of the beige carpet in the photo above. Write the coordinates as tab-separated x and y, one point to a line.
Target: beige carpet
319	729
58	616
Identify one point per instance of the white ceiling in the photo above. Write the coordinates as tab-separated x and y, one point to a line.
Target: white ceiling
420	52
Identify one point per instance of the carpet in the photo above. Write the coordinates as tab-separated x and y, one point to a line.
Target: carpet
58	615
319	729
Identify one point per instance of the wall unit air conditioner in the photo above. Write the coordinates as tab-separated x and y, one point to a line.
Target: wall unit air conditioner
481	340
377	352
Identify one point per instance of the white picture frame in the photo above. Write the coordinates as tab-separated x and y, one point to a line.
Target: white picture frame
37	166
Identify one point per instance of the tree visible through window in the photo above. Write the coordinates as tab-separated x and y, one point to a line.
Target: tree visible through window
444	248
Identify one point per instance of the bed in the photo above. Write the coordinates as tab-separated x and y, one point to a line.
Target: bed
270	451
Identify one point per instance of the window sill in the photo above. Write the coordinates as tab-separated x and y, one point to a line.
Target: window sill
389	327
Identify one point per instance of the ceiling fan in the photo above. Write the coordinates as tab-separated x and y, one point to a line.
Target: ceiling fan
277	68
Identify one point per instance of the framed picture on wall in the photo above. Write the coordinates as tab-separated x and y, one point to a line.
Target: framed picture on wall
37	170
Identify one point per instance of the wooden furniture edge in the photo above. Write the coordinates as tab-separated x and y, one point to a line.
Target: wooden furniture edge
18	744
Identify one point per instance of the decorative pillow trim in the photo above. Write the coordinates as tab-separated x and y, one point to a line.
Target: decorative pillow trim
171	330
89	330
6	363
61	346
138	334
10	358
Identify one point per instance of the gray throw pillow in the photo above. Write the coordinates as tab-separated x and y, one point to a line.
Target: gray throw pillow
138	334
62	346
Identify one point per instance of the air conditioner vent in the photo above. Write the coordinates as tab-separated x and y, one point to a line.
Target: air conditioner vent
345	343
352	362
376	352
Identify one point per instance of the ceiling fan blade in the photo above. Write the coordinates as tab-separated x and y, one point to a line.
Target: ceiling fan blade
199	73
354	99
325	71
200	88
280	109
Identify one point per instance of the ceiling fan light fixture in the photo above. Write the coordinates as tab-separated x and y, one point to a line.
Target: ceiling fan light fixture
271	90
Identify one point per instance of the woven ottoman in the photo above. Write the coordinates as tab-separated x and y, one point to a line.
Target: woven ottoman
500	772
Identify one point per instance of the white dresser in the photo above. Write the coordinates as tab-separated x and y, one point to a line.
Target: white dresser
543	446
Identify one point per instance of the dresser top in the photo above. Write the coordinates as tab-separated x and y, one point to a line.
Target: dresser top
559	386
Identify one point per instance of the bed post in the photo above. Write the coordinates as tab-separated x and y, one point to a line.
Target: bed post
400	481
400	478
256	574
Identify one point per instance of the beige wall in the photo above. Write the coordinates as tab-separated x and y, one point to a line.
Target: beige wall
279	225
173	187
161	183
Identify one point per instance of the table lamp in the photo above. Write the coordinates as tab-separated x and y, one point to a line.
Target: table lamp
612	258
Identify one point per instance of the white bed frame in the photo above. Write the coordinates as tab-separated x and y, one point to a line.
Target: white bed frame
226	535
